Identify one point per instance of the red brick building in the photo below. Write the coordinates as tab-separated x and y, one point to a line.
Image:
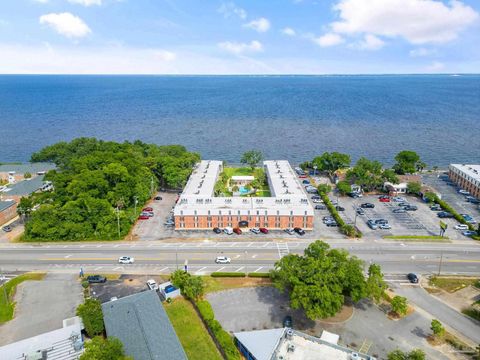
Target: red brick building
467	177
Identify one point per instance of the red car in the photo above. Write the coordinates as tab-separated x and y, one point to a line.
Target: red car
237	231
143	217
147	209
263	230
384	199
302	176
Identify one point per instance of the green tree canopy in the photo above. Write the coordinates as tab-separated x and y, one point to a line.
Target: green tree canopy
25	206
407	162
344	187
192	287
399	305
370	175
318	281
331	162
324	188
415	354
414	187
251	158
437	328
101	349
376	286
92	316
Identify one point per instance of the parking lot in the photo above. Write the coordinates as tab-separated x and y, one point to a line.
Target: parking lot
422	222
451	196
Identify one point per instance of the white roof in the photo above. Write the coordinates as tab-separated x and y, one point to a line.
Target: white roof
242	178
330	337
261	343
202	180
473	171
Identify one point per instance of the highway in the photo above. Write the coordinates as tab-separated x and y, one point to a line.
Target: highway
164	257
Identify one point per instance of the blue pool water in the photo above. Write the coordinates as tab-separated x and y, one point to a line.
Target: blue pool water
242	190
291	117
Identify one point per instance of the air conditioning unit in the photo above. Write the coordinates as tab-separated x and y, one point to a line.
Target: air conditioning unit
354	356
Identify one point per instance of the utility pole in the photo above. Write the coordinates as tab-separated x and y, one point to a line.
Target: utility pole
440	263
135	201
151	186
117	211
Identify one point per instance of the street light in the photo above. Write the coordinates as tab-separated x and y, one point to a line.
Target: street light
314	170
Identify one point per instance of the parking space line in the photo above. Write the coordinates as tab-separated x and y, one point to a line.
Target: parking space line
223	267
118	268
239	269
261	267
98	268
162	270
200	270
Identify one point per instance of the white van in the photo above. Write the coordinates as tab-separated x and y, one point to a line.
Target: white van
228	230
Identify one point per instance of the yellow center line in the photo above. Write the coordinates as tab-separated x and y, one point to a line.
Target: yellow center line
239	260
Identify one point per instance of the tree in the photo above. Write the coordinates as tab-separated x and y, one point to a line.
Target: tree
407	162
399	305
25	207
415	354
324	188
92	316
344	187
331	162
192	287
101	349
370	175
437	328
430	197
414	187
319	281
27	175
396	355
376	286
252	158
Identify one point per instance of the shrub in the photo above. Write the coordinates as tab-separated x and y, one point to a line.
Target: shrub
399	305
191	287
437	328
205	310
472	312
259	275
348	230
85	284
228	274
92	317
452	211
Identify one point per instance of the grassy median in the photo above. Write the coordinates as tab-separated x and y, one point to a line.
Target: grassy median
7	292
193	335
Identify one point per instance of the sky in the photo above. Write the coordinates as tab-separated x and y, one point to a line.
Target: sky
239	37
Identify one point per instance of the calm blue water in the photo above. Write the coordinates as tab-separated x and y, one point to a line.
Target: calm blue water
292	117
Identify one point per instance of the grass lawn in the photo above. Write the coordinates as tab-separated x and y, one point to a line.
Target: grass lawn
218	284
193	335
7	310
427	238
452	284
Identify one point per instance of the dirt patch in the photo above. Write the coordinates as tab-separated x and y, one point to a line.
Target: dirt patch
343	315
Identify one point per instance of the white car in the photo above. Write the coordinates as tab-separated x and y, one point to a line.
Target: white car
399	199
152	284
384	226
223	260
228	230
255	230
461	227
317	201
290	231
126	260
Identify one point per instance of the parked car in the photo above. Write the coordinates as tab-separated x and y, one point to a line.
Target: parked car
399	211
355	194
299	231
413	278
158	198
468	218
237	231
403	204
399	199
217	230
317	201
126	260
228	230
287	322
316	197
95	279
444	215
411	208
303	176
380	221
367	206
328	218
339	208
255	230
435	207
143	217
289	231
152	284
320	207
469	233
148	208
384	226
306	182
384	199
332	223
360	211
472	200
222	260
371	224
463	192
461	227
263	230
7	228
147	213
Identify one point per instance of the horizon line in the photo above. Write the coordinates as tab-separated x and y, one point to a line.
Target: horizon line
259	74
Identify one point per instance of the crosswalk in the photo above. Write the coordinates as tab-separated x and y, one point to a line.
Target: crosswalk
283	249
398	279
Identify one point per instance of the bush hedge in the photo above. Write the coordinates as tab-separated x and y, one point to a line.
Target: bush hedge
228	274
223	338
445	206
259	275
346	229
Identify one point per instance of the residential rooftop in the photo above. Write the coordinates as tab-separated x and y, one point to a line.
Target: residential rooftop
472	171
25	187
6	204
141	323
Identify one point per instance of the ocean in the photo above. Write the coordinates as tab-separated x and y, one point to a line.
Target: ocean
286	117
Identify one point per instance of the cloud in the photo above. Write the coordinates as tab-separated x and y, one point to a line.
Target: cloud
369	42
329	39
417	21
41	1
66	24
229	9
288	31
165	55
421	52
240	48
435	66
261	24
86	2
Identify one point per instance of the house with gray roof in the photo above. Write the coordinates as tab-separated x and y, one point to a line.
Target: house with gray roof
24	188
142	325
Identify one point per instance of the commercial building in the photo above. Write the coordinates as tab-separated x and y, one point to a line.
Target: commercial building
143	326
287	207
402	186
288	344
13	173
8	210
467	177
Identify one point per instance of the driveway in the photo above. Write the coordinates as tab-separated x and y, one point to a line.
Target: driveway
466	326
42	306
369	328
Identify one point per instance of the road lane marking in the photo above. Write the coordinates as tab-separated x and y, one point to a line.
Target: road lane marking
240	268
116	246
118	268
98	268
236	256
223	267
67	256
261	267
200	270
165	268
254	256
